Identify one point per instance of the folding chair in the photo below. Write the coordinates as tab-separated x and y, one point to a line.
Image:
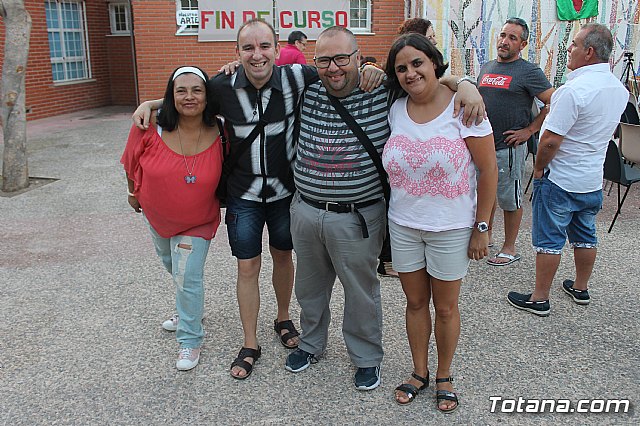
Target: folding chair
630	142
631	114
620	173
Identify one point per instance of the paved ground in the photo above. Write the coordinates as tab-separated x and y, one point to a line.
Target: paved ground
82	296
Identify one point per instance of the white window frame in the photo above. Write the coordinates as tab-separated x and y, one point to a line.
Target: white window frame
127	18
64	59
191	29
367	9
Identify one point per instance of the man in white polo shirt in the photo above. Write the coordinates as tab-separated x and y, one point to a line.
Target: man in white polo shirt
568	169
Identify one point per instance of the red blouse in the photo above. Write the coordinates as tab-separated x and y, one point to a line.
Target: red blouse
172	206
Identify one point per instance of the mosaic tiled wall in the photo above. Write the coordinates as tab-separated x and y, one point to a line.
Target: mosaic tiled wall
467	31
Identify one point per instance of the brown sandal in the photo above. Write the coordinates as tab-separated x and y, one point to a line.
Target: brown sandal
291	332
240	362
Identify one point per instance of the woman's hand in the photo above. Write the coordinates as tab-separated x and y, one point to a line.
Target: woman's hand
478	245
134	203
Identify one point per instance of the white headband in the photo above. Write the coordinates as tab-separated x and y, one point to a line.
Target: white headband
185	70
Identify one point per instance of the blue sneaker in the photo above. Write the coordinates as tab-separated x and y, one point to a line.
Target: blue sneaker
541	308
581	297
367	378
299	360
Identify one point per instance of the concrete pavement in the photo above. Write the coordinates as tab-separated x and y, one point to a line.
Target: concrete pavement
82	297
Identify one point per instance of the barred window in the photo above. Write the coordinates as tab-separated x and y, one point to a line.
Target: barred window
68	47
120	18
360	16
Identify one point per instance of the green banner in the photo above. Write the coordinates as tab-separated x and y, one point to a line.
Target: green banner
570	10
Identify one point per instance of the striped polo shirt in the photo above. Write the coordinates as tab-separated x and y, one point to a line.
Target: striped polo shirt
331	163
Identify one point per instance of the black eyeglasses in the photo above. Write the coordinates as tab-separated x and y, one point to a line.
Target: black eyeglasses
341	60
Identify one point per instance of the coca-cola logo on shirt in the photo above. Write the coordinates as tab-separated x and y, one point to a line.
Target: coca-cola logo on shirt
496	80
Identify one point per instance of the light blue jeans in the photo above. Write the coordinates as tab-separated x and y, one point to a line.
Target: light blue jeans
186	266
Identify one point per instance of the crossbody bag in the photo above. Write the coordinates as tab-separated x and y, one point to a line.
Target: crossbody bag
366	142
230	159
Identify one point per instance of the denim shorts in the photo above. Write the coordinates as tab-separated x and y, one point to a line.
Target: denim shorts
558	215
245	221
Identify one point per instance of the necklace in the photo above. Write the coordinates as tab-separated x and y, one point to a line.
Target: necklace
190	177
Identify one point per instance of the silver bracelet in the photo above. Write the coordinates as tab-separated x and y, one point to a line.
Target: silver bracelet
466	78
130	194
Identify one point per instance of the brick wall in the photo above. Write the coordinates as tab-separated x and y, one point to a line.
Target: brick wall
44	98
386	16
159	51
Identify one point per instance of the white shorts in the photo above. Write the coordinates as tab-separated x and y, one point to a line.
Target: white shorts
443	254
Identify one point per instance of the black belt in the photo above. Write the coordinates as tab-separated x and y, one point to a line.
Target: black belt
335	207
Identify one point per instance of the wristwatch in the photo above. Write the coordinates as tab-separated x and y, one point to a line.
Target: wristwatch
466	78
481	226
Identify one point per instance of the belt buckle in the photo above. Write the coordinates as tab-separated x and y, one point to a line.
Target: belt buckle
329	203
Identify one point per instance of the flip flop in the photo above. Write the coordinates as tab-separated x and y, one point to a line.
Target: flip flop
511	259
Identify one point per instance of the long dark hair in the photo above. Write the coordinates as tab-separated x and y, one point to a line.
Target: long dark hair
168	115
418	42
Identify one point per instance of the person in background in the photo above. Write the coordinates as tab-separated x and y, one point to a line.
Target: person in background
291	53
420	26
509	85
173	169
368	60
439	209
567	186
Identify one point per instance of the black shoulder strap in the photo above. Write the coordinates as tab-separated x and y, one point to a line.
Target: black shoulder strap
223	136
365	141
232	158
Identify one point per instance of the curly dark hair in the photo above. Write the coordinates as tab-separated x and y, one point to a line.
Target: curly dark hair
168	115
414	25
418	42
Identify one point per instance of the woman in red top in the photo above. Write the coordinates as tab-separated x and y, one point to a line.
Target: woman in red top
173	169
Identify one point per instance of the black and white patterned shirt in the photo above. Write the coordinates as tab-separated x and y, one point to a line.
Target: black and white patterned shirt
263	173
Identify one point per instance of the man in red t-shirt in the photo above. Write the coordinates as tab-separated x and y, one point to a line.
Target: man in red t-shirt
292	52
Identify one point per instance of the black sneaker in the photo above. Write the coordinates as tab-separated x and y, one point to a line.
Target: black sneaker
299	360
581	297
521	301
367	378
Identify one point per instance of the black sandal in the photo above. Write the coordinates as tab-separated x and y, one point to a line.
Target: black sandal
291	332
410	390
445	395
386	269
240	362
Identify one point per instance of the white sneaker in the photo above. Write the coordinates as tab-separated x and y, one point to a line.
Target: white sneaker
172	323
188	358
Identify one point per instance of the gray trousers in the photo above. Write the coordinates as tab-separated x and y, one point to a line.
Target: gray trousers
329	244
